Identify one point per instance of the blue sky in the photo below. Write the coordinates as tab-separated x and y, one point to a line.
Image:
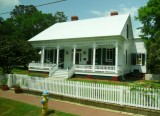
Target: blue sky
84	9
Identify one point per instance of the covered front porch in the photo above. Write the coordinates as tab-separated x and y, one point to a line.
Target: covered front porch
100	58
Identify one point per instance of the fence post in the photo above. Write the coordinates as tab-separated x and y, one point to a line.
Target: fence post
77	90
9	80
121	95
45	84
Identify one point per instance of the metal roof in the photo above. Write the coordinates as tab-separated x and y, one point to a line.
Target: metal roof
96	27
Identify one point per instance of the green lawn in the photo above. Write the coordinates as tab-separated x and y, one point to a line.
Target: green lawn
21	70
15	108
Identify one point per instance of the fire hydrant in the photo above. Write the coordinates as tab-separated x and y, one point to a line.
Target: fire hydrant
44	102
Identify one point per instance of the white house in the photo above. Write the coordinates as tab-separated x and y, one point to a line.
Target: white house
100	47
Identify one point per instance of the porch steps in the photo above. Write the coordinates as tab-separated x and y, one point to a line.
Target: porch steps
60	73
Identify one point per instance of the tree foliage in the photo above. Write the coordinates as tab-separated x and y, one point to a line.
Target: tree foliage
14	52
23	10
149	17
25	22
1	20
29	21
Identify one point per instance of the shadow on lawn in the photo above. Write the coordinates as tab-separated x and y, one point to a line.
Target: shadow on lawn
130	78
49	112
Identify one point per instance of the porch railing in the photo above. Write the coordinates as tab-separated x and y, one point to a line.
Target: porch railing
39	65
102	68
71	71
53	69
83	67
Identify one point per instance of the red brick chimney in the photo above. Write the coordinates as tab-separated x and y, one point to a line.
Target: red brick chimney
113	13
74	18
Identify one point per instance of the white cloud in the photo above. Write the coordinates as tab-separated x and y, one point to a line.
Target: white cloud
97	13
8	3
132	11
101	13
122	10
136	33
7	6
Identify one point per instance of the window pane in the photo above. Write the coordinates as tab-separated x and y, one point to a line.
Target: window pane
139	59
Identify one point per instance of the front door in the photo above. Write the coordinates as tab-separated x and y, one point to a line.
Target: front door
110	56
78	57
61	58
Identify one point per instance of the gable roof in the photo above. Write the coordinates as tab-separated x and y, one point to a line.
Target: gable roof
96	27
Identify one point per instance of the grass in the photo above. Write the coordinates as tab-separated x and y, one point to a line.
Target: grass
21	70
15	108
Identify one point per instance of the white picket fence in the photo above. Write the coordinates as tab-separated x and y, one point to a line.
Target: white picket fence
116	94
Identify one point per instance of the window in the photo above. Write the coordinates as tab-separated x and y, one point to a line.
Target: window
127	31
48	56
138	59
78	55
126	57
110	56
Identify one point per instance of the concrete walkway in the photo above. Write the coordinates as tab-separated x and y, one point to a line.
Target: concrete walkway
63	106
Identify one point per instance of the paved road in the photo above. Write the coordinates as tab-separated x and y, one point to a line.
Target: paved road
63	106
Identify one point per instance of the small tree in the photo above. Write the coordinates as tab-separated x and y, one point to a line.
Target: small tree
28	54
15	52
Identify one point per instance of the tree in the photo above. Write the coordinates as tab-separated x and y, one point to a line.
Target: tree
27	53
1	20
15	52
25	22
29	21
149	17
22	10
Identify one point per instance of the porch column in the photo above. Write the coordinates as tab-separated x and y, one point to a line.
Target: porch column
116	57
42	55
58	47
94	57
74	54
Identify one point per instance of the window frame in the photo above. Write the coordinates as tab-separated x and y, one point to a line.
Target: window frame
135	57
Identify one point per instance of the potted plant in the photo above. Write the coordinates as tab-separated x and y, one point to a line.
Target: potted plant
4	85
17	88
